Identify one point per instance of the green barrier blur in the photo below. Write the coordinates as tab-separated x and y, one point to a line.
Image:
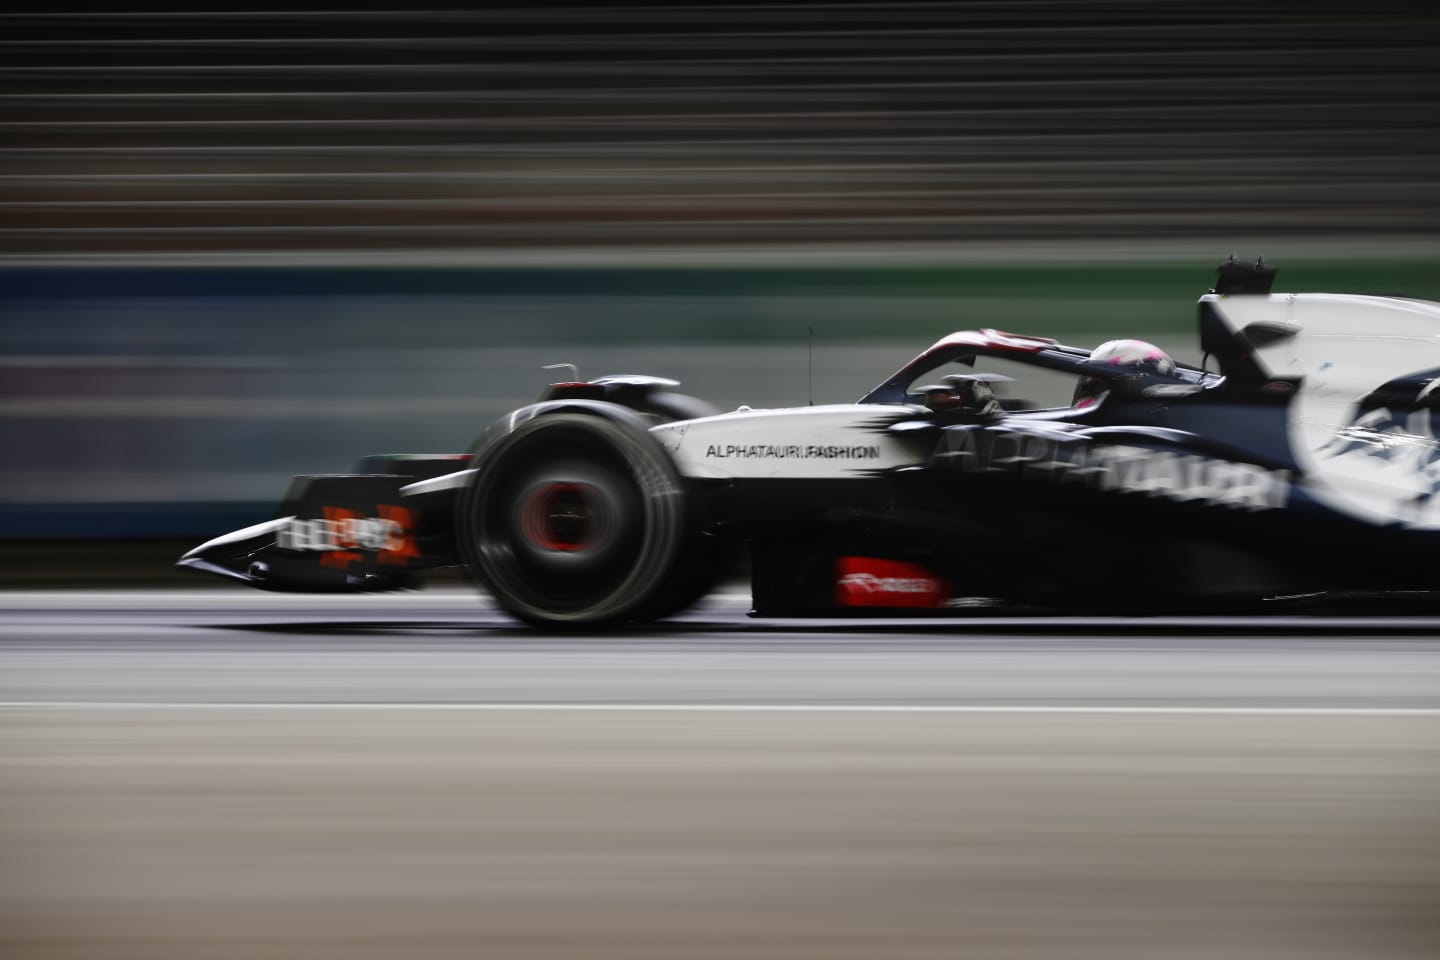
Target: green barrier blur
178	402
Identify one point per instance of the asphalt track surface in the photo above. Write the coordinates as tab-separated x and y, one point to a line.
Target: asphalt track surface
232	774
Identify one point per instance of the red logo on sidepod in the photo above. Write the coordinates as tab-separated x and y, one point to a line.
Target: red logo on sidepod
875	582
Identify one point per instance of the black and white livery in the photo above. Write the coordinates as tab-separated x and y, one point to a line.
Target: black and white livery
1300	459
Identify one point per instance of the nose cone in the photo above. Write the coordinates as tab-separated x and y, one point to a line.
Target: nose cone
234	554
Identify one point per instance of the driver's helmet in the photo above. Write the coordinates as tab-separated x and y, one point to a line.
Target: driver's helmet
1130	357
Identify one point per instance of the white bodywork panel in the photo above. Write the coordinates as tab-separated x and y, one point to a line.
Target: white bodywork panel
830	441
1344	348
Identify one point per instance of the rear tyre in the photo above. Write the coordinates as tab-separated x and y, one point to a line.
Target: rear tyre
577	520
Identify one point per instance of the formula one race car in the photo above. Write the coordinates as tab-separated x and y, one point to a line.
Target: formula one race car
1306	461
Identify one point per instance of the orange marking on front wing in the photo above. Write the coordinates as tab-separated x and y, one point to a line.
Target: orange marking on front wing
399	547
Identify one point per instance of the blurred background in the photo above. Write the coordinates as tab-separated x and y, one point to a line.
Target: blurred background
241	245
236	245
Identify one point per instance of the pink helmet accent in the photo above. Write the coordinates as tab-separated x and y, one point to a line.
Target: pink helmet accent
1141	355
1134	356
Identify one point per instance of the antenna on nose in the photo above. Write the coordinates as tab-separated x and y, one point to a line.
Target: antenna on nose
810	371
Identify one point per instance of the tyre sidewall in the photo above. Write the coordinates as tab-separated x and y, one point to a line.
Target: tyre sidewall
613	451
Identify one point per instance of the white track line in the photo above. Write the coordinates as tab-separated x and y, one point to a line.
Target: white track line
837	708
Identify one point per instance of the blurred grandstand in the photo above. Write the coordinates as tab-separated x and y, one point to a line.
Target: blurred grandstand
240	244
481	128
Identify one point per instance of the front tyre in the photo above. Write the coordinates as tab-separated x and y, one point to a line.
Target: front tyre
576	520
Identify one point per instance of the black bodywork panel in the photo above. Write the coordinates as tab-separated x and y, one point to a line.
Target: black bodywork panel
1173	491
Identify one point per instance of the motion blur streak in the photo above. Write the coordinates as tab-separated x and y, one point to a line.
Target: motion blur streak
237	245
541	125
815	836
405	823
